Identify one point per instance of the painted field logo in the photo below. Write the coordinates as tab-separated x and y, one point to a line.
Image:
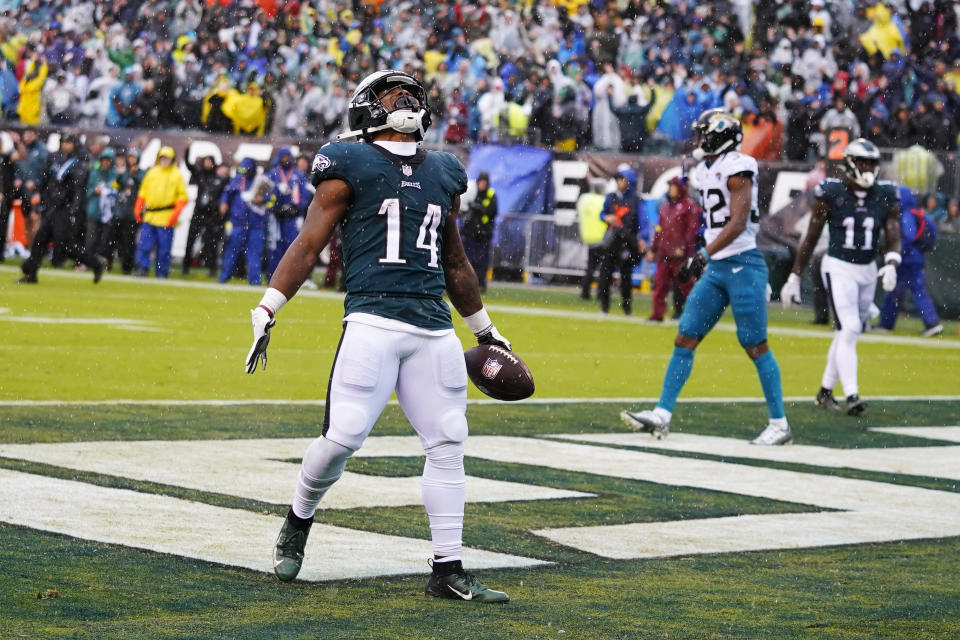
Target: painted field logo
830	510
491	368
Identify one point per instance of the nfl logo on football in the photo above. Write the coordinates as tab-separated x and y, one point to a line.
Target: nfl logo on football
491	368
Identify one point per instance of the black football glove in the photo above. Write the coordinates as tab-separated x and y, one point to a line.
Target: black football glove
693	267
491	336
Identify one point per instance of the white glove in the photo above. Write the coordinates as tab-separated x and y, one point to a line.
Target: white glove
262	323
790	292
769	292
888	276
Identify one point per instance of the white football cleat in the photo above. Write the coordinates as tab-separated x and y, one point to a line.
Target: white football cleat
933	331
774	434
647	422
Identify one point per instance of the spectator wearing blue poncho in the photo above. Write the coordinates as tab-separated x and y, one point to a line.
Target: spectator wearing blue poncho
918	236
246	199
121	104
291	199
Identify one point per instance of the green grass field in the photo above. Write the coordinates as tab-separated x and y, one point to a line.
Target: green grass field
75	351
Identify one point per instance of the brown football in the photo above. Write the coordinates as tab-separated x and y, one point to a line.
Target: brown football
499	373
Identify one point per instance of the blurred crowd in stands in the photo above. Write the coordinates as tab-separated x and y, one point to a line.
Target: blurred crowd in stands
618	75
119	206
568	74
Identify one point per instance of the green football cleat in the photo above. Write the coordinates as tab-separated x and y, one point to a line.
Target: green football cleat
461	585
288	553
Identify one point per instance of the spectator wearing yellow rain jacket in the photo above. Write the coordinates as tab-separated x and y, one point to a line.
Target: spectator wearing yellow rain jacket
883	36
246	111
30	108
161	198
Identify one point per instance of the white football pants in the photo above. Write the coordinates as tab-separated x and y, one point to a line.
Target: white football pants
429	376
851	288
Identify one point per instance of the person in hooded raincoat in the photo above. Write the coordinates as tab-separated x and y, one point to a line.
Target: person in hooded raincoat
246	199
291	197
161	199
622	243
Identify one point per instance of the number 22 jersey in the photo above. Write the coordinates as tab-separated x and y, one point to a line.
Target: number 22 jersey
392	232
711	181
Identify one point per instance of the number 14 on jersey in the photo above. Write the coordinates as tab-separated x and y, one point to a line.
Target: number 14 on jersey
427	236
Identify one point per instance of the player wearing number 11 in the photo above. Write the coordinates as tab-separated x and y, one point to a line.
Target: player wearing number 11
396	207
855	208
733	272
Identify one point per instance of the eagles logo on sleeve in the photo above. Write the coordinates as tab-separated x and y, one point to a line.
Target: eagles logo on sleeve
320	163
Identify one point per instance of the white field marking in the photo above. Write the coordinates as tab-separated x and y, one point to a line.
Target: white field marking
729	327
948	434
873	511
252	292
474	401
53	320
254	469
231	537
796	332
937	462
127	324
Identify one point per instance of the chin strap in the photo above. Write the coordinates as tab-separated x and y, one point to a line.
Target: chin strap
404	121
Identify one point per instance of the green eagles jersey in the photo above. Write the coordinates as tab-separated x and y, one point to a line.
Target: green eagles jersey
856	217
392	232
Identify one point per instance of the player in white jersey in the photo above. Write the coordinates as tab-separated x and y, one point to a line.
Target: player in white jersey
734	274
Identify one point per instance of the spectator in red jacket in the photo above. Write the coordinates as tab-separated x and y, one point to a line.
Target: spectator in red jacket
674	242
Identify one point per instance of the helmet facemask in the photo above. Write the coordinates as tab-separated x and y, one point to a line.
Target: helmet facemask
862	171
861	160
717	132
408	114
368	114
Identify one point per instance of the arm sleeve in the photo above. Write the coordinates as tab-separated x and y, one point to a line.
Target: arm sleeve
457	175
333	162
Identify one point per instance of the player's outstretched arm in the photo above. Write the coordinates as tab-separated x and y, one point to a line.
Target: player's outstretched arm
326	210
817	219
463	286
891	259
790	292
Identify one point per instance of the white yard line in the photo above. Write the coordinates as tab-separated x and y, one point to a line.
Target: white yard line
478	401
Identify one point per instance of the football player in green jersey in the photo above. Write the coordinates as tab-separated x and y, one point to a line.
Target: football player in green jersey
855	208
395	206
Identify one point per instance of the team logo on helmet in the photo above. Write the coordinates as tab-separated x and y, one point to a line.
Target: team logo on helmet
717	131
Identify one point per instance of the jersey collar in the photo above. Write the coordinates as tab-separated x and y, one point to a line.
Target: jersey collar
398	147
